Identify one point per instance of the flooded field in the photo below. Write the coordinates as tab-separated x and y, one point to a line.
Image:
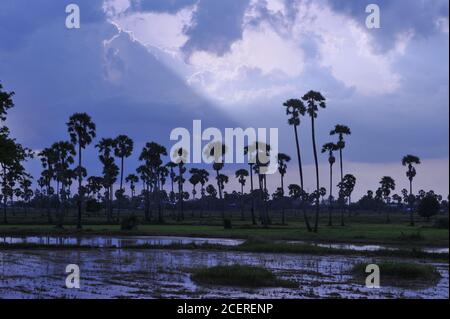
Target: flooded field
118	273
109	241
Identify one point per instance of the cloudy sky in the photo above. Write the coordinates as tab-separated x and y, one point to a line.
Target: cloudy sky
144	67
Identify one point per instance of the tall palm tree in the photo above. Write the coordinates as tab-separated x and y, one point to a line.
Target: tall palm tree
123	147
132	179
294	109
330	148
408	161
194	180
387	185
64	153
241	175
81	130
346	187
252	208
313	101
171	166
180	157
282	159
341	130
110	171
217	150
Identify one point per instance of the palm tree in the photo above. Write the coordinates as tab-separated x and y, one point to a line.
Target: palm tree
194	180
180	157
241	175
123	147
341	130
251	164
282	159
171	166
48	161
314	100
81	130
110	171
294	109
387	185
132	179
217	150
330	148
409	160
64	153
346	187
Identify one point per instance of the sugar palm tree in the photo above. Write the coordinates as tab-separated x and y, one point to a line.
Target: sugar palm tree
313	101
64	153
180	157
241	175
408	161
81	130
294	109
171	166
387	185
346	187
132	179
282	159
341	130
216	151
110	171
252	208
194	180
123	147
330	148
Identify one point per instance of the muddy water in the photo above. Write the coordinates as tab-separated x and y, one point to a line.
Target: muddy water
116	273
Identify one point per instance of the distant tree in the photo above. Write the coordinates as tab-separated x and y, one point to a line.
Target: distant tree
282	159
194	180
123	147
408	161
241	175
387	185
132	179
110	171
181	157
313	101
6	102
428	206
346	187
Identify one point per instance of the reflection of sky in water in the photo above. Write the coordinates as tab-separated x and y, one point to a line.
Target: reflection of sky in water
105	241
107	273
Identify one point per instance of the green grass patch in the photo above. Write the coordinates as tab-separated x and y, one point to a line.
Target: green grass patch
239	275
400	271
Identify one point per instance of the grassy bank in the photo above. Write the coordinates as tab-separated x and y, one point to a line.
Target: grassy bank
239	275
396	234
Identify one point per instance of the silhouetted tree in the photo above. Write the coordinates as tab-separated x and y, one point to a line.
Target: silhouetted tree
408	161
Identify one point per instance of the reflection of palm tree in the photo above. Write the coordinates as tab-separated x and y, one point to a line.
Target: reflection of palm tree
294	109
82	131
330	148
409	160
314	100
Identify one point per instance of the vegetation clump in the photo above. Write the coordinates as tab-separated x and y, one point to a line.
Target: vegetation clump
399	272
129	223
239	275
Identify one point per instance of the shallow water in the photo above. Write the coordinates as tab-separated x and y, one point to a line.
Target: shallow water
120	241
116	273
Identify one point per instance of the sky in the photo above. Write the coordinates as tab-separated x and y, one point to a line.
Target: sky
145	67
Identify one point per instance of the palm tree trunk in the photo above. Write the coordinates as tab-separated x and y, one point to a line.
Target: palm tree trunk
316	224
79	185
330	221
251	196
341	164
411	212
300	170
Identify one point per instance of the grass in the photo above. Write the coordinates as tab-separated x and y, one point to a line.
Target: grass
398	234
239	275
401	271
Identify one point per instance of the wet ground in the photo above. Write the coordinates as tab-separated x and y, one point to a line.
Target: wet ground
119	273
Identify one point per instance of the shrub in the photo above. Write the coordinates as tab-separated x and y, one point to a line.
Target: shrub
428	206
129	223
92	206
441	222
227	223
